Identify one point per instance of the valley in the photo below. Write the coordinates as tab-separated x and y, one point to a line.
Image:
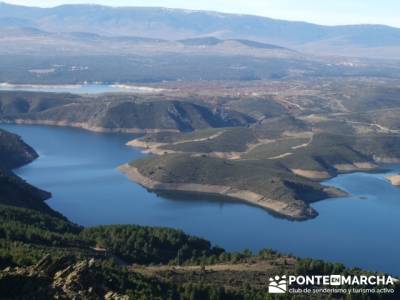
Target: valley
256	148
44	254
159	153
223	151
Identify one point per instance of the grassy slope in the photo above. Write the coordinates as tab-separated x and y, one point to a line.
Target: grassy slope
327	147
230	140
172	137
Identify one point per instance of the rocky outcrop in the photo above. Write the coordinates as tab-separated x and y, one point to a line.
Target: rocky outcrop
339	168
311	174
357	166
61	278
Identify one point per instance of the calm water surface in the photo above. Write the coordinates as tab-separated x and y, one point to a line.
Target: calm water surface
79	168
77	89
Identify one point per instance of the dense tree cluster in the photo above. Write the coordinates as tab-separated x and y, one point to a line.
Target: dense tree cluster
26	236
146	245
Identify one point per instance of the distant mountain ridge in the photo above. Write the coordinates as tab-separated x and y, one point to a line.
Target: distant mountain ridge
212	41
177	24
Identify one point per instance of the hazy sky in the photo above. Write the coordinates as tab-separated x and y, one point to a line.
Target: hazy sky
329	12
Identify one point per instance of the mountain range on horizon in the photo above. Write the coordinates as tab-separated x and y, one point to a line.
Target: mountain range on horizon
377	41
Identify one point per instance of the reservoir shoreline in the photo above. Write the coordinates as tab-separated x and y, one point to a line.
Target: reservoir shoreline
274	206
290	212
278	208
87	127
88	189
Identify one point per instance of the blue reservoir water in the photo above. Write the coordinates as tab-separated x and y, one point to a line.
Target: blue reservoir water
79	168
78	89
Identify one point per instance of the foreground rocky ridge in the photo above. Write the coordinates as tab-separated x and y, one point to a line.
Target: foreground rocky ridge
190	274
57	279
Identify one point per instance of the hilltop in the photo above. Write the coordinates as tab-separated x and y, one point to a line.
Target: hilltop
177	24
77	44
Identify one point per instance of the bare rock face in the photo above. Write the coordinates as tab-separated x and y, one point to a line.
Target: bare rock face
115	296
56	279
395	179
